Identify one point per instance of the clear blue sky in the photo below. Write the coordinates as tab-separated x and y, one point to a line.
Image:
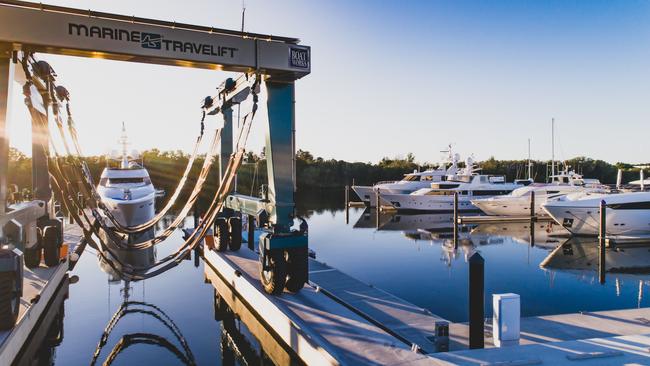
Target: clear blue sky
390	78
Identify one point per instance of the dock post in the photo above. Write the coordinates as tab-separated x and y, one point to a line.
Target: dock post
347	204
455	220
476	301
377	206
602	238
532	206
251	232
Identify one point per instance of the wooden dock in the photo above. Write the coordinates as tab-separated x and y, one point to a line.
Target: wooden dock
39	288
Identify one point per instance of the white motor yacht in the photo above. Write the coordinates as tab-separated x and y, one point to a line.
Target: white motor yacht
628	214
127	189
410	183
517	203
440	196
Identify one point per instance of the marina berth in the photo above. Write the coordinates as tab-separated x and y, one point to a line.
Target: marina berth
628	214
518	202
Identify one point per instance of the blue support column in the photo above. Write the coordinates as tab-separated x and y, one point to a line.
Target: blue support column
226	141
280	153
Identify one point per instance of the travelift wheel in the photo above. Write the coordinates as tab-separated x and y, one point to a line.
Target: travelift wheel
32	255
51	246
221	234
9	301
275	275
297	268
235	233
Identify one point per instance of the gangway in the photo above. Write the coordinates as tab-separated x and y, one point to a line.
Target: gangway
40	28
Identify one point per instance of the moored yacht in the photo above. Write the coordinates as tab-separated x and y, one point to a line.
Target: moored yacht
628	214
410	183
127	190
517	203
440	196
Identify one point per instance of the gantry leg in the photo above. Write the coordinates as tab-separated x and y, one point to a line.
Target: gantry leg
6	83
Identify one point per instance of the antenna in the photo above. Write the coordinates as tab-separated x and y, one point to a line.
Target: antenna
243	14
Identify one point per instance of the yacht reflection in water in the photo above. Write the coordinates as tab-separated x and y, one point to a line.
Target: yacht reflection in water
580	256
176	345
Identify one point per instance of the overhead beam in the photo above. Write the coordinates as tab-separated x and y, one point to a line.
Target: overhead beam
76	32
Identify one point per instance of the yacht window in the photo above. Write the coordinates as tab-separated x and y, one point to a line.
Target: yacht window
427	177
440	193
483	179
125	180
411	178
103	181
565	179
552	192
489	193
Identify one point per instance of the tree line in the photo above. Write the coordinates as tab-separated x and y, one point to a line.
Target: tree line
316	173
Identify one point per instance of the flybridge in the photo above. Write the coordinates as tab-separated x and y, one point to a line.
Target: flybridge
149	40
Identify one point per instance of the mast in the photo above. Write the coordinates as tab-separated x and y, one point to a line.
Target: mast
552	147
124	142
530	165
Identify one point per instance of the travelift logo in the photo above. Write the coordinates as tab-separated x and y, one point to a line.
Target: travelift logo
150	40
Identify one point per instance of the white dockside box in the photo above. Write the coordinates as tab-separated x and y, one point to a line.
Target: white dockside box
506	318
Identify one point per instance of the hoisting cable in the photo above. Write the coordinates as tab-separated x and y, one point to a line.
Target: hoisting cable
60	93
201	230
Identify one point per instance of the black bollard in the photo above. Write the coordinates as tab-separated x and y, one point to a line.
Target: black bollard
532	206
476	301
455	220
347	205
377	206
602	237
251	232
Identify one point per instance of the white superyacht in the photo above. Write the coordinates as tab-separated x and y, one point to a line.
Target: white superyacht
517	203
127	190
410	183
440	196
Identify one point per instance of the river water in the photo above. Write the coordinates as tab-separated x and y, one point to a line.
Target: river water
170	319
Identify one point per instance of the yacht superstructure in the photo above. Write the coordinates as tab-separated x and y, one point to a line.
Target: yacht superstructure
410	183
127	189
440	196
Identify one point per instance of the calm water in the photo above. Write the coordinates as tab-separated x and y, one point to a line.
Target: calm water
409	256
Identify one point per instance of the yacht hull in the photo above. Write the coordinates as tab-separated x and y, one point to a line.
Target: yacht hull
368	194
132	212
428	203
625	215
501	206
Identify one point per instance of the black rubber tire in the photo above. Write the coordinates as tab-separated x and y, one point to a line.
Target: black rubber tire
297	268
234	224
33	255
51	246
274	279
221	235
9	301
